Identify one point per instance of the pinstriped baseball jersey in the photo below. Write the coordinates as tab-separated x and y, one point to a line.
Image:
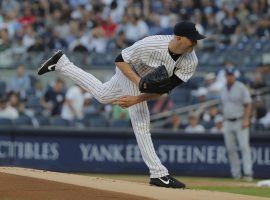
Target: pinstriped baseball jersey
152	51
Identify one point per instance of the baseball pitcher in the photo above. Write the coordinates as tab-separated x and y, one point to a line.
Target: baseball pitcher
144	71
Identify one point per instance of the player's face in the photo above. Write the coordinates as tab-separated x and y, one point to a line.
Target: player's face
230	79
188	44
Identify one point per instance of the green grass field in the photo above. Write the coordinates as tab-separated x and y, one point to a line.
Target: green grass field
198	183
253	191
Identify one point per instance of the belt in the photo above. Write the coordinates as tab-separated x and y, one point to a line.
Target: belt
233	119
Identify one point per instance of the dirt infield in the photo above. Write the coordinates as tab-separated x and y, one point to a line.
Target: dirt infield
28	184
24	188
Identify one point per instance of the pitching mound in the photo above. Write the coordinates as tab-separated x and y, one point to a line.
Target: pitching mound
19	183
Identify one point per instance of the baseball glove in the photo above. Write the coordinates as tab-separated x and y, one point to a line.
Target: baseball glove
157	81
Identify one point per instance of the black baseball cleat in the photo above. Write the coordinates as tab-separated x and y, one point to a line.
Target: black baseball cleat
167	181
49	65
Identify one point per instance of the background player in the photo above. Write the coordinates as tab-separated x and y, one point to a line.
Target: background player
135	65
236	102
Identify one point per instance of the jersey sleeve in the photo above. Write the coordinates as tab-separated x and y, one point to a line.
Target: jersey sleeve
187	67
246	95
132	53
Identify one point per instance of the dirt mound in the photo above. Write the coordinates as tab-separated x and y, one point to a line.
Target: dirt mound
19	183
21	187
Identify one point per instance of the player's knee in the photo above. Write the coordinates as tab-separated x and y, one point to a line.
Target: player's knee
141	129
231	151
142	111
244	148
102	99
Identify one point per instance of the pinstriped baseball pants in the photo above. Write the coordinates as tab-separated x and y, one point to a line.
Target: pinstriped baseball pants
119	85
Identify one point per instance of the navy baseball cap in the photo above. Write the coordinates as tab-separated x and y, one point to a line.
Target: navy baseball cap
187	29
229	71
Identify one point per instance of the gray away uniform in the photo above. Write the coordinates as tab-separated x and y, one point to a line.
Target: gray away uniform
233	101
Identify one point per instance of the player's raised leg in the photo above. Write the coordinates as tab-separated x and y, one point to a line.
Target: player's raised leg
103	92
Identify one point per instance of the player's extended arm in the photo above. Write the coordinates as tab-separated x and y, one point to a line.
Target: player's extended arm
127	101
127	70
246	117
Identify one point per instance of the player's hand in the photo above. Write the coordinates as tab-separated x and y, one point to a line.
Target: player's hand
245	123
126	101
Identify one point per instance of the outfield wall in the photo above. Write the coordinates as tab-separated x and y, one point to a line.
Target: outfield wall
100	151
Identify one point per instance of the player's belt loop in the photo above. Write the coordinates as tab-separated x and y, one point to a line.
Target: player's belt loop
234	119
